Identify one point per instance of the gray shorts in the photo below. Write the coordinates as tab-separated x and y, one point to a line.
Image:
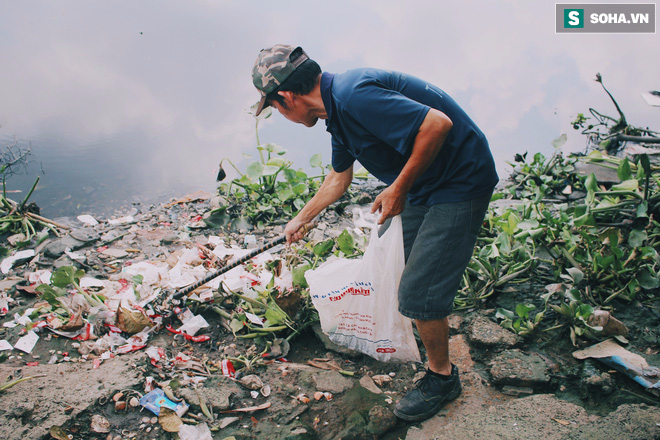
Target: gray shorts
438	242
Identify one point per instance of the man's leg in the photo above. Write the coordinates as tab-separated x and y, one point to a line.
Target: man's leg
435	336
438	241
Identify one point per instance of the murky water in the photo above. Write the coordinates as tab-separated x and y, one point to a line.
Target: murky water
100	179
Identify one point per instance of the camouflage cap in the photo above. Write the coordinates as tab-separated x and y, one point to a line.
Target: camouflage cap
273	66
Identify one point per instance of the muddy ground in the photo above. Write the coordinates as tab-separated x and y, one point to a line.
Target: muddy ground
512	388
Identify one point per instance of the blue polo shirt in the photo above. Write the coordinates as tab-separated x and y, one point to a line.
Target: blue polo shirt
374	116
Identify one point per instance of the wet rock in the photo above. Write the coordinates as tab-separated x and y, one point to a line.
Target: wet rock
356	426
252	382
594	382
381	420
85	235
368	383
300	432
56	248
364	198
486	333
455	322
99	424
514	367
517	391
216	396
331	381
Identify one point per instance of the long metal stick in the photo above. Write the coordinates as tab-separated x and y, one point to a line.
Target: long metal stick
229	267
271	244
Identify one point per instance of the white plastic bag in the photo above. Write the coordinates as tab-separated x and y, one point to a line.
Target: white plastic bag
357	300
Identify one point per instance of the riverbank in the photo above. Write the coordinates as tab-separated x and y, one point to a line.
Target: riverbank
513	387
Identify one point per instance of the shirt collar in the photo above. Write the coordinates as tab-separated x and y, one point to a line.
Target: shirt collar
326	93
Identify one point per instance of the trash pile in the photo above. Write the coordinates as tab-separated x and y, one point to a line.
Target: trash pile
108	287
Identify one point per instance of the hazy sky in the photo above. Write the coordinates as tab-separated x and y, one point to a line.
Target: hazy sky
160	88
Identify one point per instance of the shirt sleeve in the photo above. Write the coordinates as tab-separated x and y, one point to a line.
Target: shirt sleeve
341	158
389	115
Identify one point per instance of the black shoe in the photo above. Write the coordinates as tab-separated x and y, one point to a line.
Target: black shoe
429	394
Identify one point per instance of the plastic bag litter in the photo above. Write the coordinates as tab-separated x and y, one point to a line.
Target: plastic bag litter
357	300
632	365
198	432
8	262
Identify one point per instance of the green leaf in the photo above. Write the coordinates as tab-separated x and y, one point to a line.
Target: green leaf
270	170
301	189
591	185
573	295
626	185
323	248
624	172
642	210
523	310
315	161
236	325
637	238
274	148
346	243
576	274
285	194
277	162
274	316
362	173
66	275
298	204
648	279
584	311
505	314
290	175
299	275
51	294
254	171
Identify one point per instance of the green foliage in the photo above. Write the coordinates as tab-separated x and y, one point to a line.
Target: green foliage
269	188
17	218
61	280
603	246
522	322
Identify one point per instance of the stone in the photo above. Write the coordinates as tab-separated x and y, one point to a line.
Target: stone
85	235
331	381
216	396
517	391
368	383
300	432
455	322
485	332
514	367
56	248
381	420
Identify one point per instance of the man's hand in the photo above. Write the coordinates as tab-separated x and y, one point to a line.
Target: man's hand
389	203
293	231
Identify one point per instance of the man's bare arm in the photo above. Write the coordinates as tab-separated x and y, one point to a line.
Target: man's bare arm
428	142
332	188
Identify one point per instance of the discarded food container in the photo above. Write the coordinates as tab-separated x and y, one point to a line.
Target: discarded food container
156	399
